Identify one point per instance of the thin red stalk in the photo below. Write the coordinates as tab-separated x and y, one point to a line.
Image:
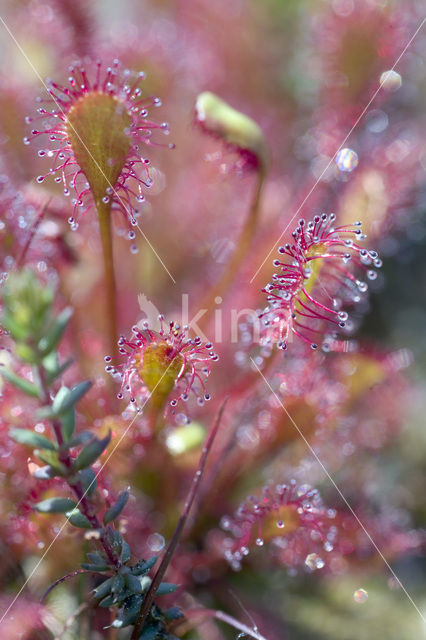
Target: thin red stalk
22	255
149	598
240	252
69	575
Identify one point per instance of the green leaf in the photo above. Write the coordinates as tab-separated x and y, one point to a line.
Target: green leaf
88	479
150	632
107	602
91	452
115	510
96	557
27	353
32	439
68	424
142	567
165	588
103	589
133	583
174	613
97	563
117	586
59	399
51	458
78	519
95	567
44	473
55	333
56	371
45	413
20	383
81	438
55	505
16	331
66	398
129	613
125	552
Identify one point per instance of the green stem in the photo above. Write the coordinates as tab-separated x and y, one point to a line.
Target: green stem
240	252
84	503
104	217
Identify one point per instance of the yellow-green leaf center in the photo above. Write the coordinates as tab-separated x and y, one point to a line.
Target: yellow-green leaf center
97	127
159	370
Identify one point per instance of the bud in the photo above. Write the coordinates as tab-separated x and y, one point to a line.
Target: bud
185	438
26	311
239	132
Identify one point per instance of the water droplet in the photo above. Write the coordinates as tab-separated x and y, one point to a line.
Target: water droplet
362	286
390	80
360	596
314	561
259	542
377	121
156	542
347	160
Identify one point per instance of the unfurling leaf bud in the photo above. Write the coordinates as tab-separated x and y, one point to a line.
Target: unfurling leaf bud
237	130
25	314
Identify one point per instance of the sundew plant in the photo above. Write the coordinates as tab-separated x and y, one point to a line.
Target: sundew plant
212	352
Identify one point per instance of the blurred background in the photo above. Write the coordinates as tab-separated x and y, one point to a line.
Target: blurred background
304	70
